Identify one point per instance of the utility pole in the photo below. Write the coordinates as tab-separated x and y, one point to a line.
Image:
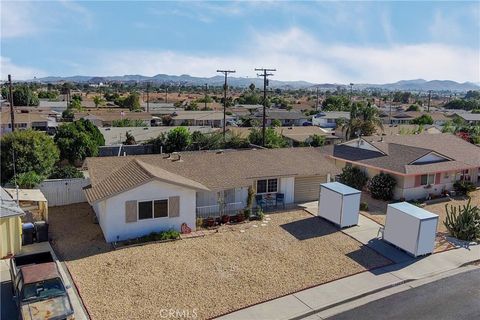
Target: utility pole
316	102
351	91
10	96
225	73
206	92
166	94
265	74
429	97
148	100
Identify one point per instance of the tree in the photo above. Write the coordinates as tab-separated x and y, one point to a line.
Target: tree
403	97
32	151
353	177
364	119
98	101
78	140
132	102
272	138
65	172
206	141
317	140
76	105
336	103
276	123
251	87
424	119
24	96
129	139
413	107
68	115
382	186
178	139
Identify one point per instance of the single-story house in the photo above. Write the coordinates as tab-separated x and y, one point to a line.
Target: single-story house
117	135
471	118
28	120
106	117
135	195
199	118
286	117
328	119
10	225
423	164
406	117
303	135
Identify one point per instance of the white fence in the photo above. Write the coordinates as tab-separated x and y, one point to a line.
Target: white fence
60	192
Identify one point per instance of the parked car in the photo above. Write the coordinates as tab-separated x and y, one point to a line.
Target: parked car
232	123
38	288
307	124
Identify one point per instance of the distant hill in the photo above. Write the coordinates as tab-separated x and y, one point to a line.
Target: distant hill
184	79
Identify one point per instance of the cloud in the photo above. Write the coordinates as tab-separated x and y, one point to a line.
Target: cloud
18	72
298	55
23	18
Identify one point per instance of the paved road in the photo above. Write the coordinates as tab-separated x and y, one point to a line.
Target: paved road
456	297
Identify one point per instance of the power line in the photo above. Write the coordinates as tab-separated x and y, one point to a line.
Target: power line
12	114
265	76
225	73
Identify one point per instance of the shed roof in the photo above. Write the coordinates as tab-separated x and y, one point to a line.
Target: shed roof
340	188
413	210
27	194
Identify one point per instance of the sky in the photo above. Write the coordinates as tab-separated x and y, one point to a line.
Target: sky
320	42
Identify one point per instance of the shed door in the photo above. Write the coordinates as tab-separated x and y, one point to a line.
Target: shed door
308	188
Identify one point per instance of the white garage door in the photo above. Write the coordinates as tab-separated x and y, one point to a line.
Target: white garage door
308	188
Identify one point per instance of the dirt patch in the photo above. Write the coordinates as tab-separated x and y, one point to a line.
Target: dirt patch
221	272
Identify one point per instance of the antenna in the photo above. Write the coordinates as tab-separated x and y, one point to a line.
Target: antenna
265	74
225	73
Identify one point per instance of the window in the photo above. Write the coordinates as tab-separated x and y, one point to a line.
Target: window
160	208
152	209
145	210
427	179
267	186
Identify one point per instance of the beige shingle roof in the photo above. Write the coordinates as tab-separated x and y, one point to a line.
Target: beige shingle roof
131	174
204	169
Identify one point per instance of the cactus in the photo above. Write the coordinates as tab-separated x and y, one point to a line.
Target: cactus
463	222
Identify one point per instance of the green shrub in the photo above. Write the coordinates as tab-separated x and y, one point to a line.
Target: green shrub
464	223
27	180
65	172
464	187
382	186
247	213
353	177
161	236
363	206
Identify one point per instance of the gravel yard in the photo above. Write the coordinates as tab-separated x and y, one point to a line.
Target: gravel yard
215	274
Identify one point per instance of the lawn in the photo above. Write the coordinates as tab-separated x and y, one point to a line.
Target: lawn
215	274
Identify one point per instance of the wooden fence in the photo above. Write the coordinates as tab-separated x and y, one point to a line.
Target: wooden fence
60	192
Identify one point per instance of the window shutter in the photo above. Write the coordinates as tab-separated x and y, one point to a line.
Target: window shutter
174	207
418	181
437	178
130	211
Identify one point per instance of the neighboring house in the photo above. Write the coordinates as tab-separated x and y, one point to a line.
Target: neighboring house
105	118
286	118
404	129
423	164
328	119
199	118
117	135
406	117
10	225
303	135
28	120
135	195
470	118
58	106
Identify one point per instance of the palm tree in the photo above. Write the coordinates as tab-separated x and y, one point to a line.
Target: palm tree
364	119
98	101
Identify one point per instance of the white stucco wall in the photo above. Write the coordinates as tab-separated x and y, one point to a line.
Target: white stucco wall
113	222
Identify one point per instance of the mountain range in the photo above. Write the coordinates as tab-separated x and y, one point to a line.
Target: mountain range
410	85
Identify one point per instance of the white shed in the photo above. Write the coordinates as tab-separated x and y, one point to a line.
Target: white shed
339	204
410	228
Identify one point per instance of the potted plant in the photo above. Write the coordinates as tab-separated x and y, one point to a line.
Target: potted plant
210	222
225	218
